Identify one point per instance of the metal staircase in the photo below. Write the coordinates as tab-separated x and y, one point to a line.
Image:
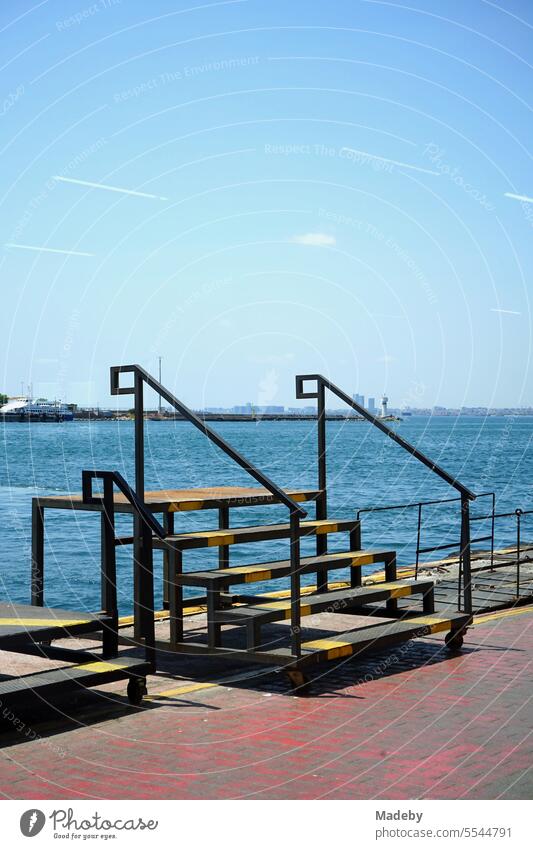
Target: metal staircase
249	614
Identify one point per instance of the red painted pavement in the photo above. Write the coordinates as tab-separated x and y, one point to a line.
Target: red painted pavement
419	724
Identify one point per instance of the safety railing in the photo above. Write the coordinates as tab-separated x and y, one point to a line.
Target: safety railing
465	494
518	516
143	593
419	506
142	377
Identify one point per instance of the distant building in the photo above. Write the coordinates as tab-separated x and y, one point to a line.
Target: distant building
372	406
359	399
245	410
384	402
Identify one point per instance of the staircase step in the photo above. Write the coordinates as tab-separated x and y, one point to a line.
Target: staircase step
257	533
376	637
333	601
22	623
53	683
220	578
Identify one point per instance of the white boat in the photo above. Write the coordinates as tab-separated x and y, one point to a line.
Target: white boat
24	409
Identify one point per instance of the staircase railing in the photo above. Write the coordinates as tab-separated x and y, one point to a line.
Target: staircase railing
466	495
517	515
143	596
141	377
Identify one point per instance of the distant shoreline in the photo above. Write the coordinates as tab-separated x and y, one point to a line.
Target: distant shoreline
266	417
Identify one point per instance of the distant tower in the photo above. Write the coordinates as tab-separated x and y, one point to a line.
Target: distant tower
384	402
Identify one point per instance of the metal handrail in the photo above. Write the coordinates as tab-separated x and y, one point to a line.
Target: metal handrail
518	513
464	490
211	434
143	600
296	512
445	546
87	477
466	494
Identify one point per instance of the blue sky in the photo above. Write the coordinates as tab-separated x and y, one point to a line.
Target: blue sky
306	187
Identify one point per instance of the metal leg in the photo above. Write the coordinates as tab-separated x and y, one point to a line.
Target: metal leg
168	524
110	638
214	629
103	554
321	547
223	551
175	565
391	575
356	578
253	635
137	559
37	553
109	572
429	601
147	594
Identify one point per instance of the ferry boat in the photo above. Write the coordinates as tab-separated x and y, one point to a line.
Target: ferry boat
24	409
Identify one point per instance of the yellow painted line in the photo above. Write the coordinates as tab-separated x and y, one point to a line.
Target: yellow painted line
500	614
398	592
305	610
180	691
434	623
102	666
258	576
326	527
53	623
334	648
239	570
185	505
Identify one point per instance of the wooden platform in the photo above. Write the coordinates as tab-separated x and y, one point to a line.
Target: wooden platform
181	500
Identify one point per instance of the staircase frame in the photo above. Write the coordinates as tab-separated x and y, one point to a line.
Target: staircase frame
294	658
465	494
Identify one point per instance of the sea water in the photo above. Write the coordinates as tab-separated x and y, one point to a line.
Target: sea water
365	469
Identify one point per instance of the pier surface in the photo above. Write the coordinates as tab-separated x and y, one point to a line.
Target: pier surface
400	724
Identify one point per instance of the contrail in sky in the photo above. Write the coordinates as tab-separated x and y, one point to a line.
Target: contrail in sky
518	197
507	312
47	250
108	188
391	161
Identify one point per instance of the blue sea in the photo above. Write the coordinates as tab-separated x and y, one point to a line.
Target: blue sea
365	469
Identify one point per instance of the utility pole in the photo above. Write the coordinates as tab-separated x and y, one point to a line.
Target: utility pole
160	408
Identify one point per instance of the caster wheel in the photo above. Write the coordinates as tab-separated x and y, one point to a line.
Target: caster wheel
300	683
136	690
454	641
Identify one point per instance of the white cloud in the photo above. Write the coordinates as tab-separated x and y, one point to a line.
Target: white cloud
320	240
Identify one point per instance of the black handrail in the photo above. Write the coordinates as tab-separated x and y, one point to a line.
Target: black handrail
466	494
452	481
420	504
143	596
517	514
87	477
211	434
296	512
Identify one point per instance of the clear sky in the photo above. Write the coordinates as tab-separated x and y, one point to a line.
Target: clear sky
306	186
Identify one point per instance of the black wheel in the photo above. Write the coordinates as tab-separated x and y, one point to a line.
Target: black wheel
454	641
136	690
300	683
